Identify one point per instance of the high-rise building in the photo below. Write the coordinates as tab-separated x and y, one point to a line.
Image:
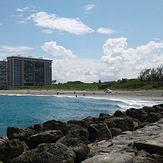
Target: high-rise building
28	71
3	74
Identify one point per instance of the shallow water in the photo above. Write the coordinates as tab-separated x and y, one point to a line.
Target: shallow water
23	110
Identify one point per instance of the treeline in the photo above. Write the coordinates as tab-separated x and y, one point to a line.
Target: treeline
152	76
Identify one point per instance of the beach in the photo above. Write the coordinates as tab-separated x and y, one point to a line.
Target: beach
149	95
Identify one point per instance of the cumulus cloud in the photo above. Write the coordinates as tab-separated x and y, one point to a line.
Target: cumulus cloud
105	31
51	21
57	51
128	62
76	70
117	61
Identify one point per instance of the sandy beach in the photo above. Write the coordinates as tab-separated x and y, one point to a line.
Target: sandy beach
116	94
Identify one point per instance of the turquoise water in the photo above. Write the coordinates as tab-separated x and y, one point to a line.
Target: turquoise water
23	111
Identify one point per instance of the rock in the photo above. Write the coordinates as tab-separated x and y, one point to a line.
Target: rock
120	157
158	108
50	136
82	123
123	123
79	132
158	158
36	127
118	113
17	133
153	117
80	149
104	115
115	131
11	148
149	147
99	131
47	153
55	125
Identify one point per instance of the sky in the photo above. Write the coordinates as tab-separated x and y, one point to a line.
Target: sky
88	40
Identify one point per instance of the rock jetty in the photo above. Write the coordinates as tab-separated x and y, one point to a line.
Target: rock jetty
133	136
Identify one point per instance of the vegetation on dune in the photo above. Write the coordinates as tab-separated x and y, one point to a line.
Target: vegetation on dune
148	79
124	84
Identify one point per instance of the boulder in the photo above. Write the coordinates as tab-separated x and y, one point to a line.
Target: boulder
119	157
101	115
139	114
153	117
80	149
36	128
124	123
82	123
99	131
79	132
50	136
17	133
11	148
118	113
55	125
47	153
115	131
149	147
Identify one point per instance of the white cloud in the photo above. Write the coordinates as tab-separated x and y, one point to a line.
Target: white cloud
105	31
88	8
128	62
47	31
57	51
51	21
13	50
118	61
76	70
22	9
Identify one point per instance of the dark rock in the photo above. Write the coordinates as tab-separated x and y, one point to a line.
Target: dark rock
82	123
55	125
11	148
118	113
139	114
80	149
148	109
151	148
153	117
123	123
17	133
79	132
158	158
36	127
93	134
104	115
115	131
47	153
134	113
50	136
99	131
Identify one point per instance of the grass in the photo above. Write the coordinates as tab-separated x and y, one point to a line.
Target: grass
131	84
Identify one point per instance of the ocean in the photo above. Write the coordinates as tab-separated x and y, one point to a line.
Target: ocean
25	110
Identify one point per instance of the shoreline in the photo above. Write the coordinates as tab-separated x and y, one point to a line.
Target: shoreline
147	95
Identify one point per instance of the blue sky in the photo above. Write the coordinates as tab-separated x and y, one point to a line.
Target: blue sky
88	40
